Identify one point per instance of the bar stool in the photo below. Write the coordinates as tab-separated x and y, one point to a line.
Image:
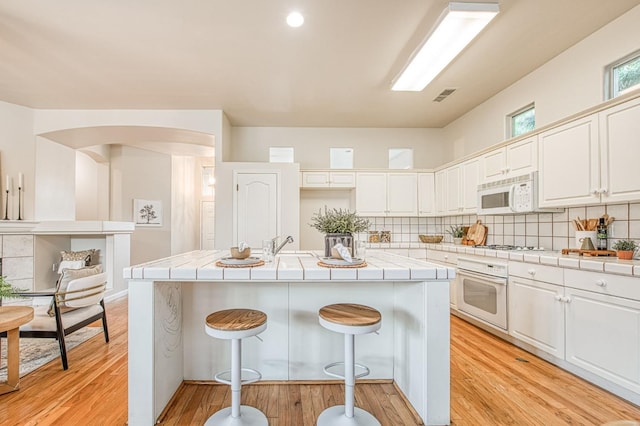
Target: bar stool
234	325
349	319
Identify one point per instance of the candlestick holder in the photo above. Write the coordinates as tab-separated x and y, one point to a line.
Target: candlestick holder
19	203
6	206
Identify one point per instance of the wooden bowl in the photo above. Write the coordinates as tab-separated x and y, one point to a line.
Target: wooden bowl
433	239
237	254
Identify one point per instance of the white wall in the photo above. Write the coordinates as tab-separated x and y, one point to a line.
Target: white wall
92	188
185	223
55	181
144	175
569	83
17	155
311	145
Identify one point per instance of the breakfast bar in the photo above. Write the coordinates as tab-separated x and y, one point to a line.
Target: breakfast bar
170	298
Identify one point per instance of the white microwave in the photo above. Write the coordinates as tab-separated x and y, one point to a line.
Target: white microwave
510	196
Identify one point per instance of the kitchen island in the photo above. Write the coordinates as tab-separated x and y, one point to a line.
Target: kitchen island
170	298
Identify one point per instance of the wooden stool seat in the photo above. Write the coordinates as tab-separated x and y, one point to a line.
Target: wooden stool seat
234	325
350	318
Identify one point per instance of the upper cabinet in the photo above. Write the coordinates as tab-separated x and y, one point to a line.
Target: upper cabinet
387	194
592	159
619	128
516	159
469	187
456	188
327	179
426	194
569	164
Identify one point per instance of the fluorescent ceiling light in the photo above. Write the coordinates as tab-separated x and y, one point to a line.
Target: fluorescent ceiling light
457	26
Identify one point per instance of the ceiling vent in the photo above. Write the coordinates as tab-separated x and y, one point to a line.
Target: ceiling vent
442	96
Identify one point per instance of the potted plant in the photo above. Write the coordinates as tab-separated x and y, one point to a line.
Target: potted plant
457	233
8	291
338	226
625	249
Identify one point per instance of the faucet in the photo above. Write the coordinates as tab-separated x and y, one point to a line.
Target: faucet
276	250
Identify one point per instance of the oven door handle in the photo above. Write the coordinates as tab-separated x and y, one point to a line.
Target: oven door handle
499	281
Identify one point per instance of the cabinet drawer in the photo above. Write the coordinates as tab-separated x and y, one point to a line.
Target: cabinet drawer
442	256
549	274
615	285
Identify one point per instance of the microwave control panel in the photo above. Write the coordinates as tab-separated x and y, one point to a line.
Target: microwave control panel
523	197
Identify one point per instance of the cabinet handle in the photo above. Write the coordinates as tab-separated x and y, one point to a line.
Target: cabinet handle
594	191
601	283
446	258
558	298
531	272
566	299
603	190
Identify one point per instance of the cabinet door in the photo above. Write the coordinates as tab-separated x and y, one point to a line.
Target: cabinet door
441	192
402	194
619	128
371	194
342	179
493	165
569	164
469	186
256	210
522	157
454	192
426	194
603	336
536	314
315	179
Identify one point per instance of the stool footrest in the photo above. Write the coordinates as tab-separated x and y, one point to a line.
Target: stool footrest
328	367
256	376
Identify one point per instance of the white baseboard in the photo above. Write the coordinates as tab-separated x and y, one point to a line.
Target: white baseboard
114	296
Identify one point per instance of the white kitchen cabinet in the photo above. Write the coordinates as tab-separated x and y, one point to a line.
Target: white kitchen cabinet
569	164
453	195
387	194
592	160
440	179
536	314
603	336
426	194
619	127
518	158
469	185
327	179
446	259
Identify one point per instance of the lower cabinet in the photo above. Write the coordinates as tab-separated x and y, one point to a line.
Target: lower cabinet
594	330
603	336
536	314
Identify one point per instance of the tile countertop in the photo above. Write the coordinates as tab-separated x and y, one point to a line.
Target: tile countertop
609	264
200	265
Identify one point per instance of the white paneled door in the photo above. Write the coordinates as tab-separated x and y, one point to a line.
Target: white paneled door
256	211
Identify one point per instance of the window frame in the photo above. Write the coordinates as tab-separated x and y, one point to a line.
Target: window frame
610	91
511	117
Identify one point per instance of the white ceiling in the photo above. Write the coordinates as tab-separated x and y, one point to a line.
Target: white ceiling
239	56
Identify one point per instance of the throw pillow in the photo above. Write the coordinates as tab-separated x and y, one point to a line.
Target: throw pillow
67	276
71	264
85	255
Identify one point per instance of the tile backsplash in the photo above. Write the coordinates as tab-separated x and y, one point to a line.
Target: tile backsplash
552	231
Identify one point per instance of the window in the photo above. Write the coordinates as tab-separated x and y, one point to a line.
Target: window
400	158
521	121
622	75
341	158
280	154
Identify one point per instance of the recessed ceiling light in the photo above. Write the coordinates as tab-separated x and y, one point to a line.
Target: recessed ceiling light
295	19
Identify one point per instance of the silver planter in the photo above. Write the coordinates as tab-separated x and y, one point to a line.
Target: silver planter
331	240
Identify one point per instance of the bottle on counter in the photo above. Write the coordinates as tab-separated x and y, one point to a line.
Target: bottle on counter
601	235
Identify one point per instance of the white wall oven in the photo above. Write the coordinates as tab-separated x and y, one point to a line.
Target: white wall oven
482	290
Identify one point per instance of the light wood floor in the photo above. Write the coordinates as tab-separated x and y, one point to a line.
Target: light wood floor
489	386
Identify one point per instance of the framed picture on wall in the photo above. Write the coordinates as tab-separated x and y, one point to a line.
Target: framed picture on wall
147	212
